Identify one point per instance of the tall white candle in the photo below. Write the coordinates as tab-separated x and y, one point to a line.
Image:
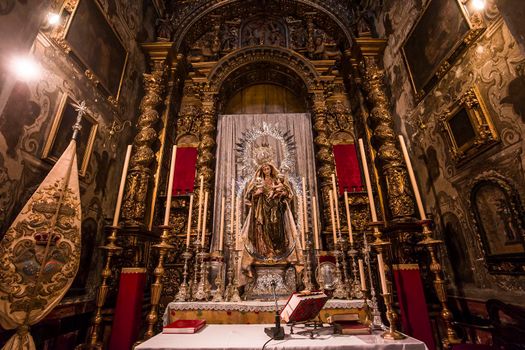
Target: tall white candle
188	229
221	235
315	218
373	213
348	219
362	274
305	209
412	179
204	214
336	202
382	277
170	186
116	216
332	217
201	198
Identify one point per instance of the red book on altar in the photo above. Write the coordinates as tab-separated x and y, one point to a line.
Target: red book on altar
303	306
184	326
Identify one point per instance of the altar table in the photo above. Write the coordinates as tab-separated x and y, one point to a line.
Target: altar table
252	337
249	312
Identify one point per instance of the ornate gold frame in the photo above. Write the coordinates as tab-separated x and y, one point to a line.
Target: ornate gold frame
69	10
53	134
477	27
485	134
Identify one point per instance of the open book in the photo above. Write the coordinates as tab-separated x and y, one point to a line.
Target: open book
303	306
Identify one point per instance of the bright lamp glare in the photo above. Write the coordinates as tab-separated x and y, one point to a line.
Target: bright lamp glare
478	4
25	68
53	18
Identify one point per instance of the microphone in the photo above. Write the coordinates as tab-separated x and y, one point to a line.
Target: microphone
276	332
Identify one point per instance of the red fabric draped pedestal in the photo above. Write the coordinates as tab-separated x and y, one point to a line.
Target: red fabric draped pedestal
412	303
347	167
184	178
126	323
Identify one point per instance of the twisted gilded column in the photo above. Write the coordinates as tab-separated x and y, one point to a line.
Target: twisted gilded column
142	160
323	152
207	132
399	198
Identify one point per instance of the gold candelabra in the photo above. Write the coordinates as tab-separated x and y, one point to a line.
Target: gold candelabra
391	333
183	293
307	277
440	284
383	246
111	249
156	287
219	280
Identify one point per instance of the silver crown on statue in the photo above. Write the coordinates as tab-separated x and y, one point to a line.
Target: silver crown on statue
263	154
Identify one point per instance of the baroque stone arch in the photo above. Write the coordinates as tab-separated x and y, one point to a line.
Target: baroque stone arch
234	61
332	11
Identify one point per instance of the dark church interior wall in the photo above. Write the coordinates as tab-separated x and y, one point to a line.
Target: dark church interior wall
495	64
27	111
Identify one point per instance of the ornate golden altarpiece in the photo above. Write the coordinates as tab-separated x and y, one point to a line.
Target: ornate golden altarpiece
311	50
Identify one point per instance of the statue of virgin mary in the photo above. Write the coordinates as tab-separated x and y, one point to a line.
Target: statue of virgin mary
269	233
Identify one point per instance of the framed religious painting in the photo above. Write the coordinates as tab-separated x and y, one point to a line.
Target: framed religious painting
440	35
61	132
93	42
468	127
500	225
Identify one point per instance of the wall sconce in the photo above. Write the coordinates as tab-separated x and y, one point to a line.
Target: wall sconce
115	128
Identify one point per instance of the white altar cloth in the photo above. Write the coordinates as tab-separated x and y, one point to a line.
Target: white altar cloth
252	337
250	306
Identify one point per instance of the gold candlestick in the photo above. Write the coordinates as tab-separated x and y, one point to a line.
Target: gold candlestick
382	247
440	285
183	293
111	249
391	333
156	287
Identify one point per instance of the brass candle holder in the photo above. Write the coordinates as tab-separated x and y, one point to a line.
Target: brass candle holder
391	333
307	276
201	292
195	281
156	287
345	266
382	247
235	297
440	285
340	291
355	287
183	293
111	249
219	281
375	315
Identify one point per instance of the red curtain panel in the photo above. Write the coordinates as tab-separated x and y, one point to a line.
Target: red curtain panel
348	170
185	163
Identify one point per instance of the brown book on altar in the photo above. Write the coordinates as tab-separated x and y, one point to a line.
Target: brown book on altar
184	326
303	306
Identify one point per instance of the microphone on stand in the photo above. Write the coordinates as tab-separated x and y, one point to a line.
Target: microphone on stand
276	332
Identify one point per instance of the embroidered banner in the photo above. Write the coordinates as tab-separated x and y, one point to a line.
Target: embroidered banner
40	253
